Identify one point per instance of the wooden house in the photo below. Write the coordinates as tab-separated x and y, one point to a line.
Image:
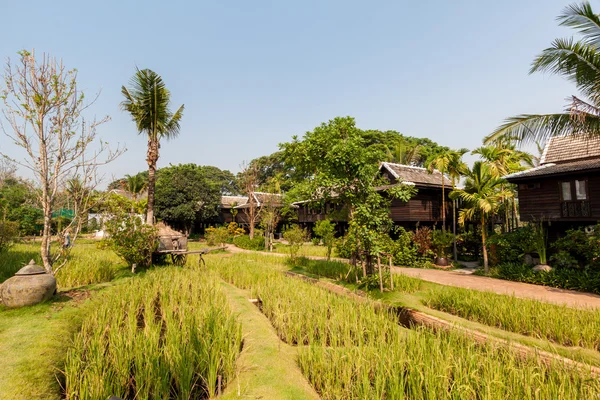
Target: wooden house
424	208
234	208
564	190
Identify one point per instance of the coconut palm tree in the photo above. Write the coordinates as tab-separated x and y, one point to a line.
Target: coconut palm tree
440	162
482	195
578	61
147	100
456	168
135	185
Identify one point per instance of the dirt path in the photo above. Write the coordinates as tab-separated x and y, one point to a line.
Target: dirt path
267	366
547	294
524	290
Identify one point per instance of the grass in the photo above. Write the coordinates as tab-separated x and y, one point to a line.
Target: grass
560	324
168	335
87	264
33	343
371	357
266	367
307	250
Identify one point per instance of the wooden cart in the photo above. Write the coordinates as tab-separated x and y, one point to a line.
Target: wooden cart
175	244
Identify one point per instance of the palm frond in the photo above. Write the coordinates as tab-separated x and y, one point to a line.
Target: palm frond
582	18
539	127
577	61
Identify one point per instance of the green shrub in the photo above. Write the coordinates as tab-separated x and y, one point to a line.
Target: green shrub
441	242
342	247
325	230
512	246
583	250
131	239
217	236
296	237
244	242
8	234
587	280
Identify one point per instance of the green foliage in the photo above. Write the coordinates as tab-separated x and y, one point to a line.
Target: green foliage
325	230
510	247
244	242
8	234
296	237
18	203
540	241
441	242
587	280
578	250
131	239
168	335
184	195
217	236
223	179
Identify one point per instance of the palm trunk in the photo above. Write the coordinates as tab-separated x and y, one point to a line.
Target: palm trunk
485	254
152	159
455	252
443	206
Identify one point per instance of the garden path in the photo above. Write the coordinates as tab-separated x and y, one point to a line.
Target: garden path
547	294
524	290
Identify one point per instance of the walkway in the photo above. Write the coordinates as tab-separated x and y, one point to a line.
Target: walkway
524	290
547	294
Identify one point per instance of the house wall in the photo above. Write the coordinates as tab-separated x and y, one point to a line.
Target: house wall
545	202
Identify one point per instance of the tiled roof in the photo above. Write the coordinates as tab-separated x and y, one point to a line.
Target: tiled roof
232	201
570	148
416	175
555	169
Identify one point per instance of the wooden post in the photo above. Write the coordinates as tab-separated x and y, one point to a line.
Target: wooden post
380	273
219	390
391	276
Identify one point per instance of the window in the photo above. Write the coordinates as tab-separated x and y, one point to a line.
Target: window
565	191
580	190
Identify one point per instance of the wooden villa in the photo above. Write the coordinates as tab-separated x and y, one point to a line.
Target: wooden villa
423	209
564	190
233	208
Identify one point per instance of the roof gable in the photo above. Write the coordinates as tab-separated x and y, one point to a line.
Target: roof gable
563	149
413	175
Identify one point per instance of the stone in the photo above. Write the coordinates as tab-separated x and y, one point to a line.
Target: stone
30	285
528	259
542	267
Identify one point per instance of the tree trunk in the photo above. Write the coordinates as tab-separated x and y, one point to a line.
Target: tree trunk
455	252
47	236
485	254
443	206
152	159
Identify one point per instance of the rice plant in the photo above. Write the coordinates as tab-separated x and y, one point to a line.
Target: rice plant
168	335
560	324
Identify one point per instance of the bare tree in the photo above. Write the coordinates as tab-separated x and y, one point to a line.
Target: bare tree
249	183
270	215
44	112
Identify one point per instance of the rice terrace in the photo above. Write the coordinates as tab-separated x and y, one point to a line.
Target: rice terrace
213	239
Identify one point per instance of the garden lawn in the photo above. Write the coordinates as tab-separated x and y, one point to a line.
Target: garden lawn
33	344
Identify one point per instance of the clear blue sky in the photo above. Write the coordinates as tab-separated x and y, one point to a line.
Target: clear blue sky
253	73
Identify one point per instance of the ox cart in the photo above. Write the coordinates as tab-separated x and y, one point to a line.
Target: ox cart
175	244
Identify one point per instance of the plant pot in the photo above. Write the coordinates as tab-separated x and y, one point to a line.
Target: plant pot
441	261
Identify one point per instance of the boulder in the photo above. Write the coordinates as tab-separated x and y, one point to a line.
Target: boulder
542	267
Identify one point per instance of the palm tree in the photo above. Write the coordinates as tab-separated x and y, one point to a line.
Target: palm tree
578	61
403	153
440	162
481	195
148	103
135	185
456	168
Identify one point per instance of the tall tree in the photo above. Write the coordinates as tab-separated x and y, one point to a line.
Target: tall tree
44	110
248	179
184	196
481	197
456	168
440	162
579	62
148	102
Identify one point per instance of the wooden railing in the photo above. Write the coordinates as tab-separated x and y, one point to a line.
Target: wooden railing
575	209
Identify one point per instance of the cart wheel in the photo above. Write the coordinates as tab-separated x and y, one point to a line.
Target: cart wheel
179	259
201	261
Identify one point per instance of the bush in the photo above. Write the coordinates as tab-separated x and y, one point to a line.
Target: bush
441	242
403	251
423	240
244	242
325	230
131	239
512	246
342	247
578	249
564	278
8	234
217	236
296	237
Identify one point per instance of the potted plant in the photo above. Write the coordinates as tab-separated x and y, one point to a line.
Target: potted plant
442	241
